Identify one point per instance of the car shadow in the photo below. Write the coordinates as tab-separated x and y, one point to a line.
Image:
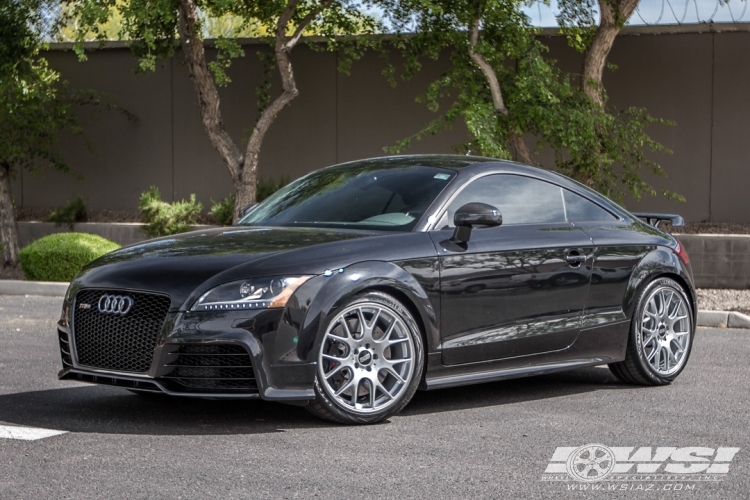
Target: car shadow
107	410
580	381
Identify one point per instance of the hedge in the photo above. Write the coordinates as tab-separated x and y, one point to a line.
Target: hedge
61	256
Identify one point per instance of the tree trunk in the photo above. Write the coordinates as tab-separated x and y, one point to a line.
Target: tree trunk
207	93
519	150
244	169
283	46
8	226
516	145
613	15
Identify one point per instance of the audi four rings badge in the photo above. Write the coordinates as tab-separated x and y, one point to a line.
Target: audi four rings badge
115	304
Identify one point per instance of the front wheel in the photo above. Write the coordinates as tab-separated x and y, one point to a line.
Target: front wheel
370	361
661	335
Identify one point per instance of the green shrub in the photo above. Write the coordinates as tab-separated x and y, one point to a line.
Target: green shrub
162	218
223	210
266	187
59	257
74	211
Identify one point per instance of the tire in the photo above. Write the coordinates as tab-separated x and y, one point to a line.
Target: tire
661	335
366	375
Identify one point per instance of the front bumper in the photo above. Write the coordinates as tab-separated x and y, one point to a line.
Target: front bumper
270	337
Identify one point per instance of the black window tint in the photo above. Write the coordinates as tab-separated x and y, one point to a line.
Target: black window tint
521	200
378	196
579	209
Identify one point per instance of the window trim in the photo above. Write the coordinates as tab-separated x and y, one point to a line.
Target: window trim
617	217
433	219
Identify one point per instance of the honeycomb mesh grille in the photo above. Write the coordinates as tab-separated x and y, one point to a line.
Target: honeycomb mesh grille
217	367
118	342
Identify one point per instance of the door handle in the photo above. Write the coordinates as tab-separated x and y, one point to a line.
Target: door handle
575	259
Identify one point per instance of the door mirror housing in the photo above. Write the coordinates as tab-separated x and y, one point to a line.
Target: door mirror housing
474	215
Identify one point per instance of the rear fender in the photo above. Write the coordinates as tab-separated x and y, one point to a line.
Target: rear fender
659	262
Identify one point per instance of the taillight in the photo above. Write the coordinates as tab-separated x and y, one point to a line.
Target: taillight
682	253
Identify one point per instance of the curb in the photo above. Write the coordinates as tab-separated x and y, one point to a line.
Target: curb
723	319
711	319
44	288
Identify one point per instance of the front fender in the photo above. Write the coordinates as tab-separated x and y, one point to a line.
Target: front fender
302	327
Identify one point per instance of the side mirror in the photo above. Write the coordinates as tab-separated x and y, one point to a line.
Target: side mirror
247	209
474	214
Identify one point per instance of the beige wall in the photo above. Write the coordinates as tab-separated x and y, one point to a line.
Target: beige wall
699	80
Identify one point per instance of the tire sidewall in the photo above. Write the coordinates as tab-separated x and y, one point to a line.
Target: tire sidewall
342	414
643	365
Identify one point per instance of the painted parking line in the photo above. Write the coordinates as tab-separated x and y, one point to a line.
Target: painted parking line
27	433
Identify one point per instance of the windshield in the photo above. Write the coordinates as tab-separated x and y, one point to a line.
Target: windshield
375	195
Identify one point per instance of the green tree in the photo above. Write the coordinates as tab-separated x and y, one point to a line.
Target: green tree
36	106
157	26
506	89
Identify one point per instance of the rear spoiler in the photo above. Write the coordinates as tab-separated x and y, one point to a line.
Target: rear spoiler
654	219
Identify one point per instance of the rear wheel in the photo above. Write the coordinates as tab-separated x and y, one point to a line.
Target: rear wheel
370	361
661	335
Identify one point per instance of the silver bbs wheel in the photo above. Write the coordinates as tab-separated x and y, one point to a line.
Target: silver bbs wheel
664	332
367	358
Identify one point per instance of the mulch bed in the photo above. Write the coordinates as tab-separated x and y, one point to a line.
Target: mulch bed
11	273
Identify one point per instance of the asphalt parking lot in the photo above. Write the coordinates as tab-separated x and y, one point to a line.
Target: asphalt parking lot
487	441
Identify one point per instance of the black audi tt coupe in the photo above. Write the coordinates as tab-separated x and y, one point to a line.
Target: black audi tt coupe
356	285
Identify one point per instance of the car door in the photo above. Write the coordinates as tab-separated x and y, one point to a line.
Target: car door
615	258
517	289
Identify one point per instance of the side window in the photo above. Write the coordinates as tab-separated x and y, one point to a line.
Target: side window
521	200
579	209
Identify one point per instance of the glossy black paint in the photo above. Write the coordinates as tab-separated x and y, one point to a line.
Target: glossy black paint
511	292
474	215
513	300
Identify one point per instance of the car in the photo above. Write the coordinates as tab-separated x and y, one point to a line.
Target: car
356	285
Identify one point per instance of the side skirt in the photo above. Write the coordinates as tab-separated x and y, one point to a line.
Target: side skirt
594	346
508	373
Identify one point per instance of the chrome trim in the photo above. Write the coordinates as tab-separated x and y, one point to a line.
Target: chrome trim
115	304
437	214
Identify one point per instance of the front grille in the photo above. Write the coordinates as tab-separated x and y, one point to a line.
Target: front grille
217	367
118	342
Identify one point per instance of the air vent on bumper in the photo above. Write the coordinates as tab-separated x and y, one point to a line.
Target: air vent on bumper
211	368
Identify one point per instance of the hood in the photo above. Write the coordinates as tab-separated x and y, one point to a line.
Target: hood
176	265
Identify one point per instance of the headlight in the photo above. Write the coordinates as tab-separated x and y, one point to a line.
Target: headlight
256	293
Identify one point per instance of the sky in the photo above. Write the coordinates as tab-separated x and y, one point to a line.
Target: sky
663	12
659	12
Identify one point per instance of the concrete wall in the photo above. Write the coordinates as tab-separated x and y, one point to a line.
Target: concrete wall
693	75
719	261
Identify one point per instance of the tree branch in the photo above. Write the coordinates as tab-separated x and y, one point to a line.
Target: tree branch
305	23
613	15
282	49
516	144
205	88
486	68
